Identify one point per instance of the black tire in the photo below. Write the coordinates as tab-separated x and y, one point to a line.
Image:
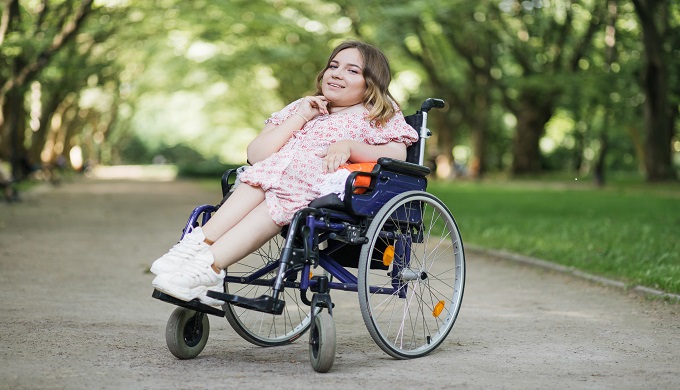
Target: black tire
322	342
187	333
266	330
410	308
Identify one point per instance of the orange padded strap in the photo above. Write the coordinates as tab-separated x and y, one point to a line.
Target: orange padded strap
360	181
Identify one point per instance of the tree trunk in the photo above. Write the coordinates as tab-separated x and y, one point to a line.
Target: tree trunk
479	133
579	147
658	125
533	113
478	165
16	128
657	108
609	53
600	164
443	158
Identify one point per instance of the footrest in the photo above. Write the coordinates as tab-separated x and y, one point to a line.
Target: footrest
263	303
193	305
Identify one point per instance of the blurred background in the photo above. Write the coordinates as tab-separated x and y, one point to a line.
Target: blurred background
559	139
580	88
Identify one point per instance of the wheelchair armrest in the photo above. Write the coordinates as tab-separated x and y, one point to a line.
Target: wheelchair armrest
355	186
404	167
366	191
228	179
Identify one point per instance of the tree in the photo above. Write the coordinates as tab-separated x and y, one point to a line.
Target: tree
552	39
513	53
23	58
206	73
660	112
431	49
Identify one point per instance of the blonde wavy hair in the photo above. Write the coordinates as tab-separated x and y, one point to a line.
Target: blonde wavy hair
376	72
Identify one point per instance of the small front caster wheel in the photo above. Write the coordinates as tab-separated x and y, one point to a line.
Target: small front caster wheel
187	333
322	342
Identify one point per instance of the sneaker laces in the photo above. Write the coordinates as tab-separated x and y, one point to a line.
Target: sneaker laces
197	272
187	246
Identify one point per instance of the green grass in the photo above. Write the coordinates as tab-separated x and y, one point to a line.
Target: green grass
626	232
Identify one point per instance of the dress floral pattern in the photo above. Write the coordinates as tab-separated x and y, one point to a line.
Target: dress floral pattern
292	177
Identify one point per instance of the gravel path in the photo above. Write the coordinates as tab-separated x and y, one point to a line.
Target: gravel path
77	313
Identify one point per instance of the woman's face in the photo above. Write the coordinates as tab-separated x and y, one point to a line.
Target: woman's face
343	82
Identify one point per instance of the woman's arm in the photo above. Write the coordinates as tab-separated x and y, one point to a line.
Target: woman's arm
273	137
340	152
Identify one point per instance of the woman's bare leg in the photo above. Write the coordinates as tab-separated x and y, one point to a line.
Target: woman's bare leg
245	237
244	199
193	279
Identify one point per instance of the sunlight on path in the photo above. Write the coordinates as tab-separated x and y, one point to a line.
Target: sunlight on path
136	172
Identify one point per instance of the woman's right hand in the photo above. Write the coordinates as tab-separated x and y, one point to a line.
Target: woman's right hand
313	106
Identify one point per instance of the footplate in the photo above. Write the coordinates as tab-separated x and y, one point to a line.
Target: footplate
263	303
193	305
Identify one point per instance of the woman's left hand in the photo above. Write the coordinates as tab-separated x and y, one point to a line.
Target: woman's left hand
337	154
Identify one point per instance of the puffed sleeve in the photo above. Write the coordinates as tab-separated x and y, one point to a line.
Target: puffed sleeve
278	117
395	130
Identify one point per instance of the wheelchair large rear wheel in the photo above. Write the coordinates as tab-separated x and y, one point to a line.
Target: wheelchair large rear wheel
410	308
263	329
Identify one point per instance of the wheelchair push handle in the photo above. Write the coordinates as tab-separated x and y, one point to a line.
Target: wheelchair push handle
424	132
431	103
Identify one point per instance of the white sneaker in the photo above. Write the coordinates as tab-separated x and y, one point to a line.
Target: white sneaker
192	280
185	250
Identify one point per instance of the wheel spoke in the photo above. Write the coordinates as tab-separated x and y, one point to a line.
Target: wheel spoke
262	328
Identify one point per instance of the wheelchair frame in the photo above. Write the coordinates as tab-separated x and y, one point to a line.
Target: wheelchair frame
386	221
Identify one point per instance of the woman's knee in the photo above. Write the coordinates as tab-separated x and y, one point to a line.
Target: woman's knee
247	195
240	203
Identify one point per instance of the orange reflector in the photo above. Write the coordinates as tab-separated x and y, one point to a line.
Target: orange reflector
438	308
388	255
310	275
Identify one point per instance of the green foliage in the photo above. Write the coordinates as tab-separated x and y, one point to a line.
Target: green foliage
208	73
211	169
624	233
179	154
133	151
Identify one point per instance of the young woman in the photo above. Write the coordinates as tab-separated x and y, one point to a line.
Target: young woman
351	118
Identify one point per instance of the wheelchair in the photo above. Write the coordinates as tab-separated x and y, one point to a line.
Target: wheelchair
389	240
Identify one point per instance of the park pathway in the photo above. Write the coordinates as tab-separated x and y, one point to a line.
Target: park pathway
77	313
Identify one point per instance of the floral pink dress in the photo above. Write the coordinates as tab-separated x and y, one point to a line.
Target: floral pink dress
292	177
